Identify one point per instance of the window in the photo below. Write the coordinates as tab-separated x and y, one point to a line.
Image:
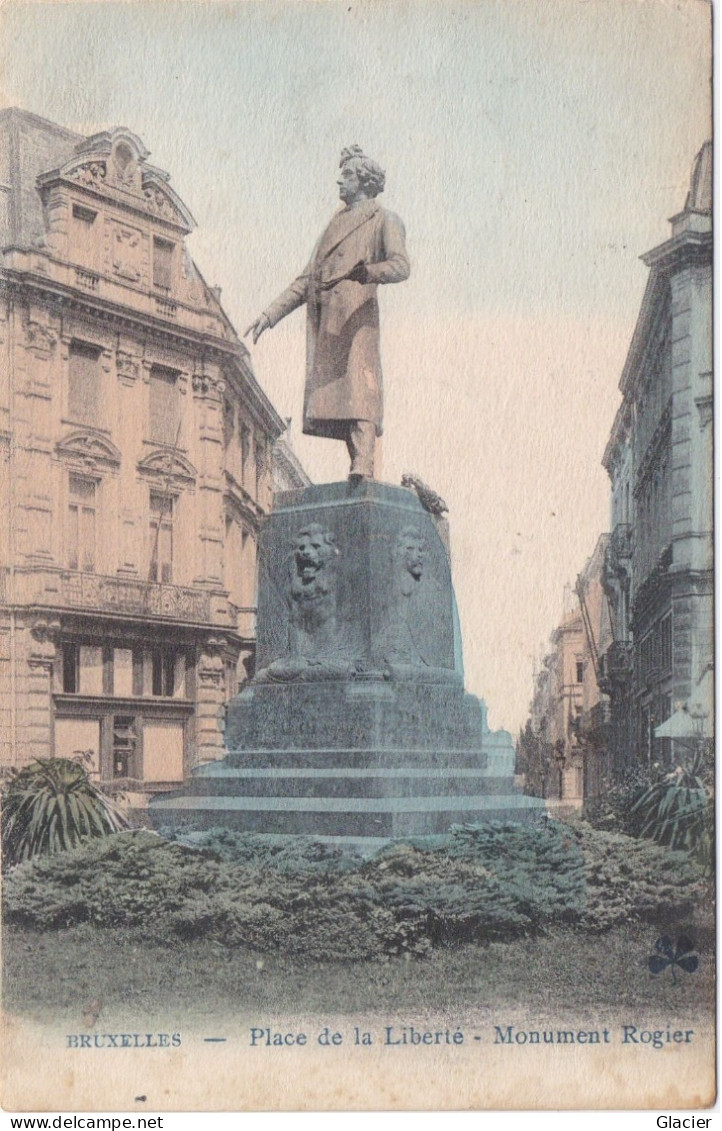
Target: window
228	423
161	537
71	680
260	468
123	672
124	746
84	383
580	671
164	405
85	215
164	671
92	670
162	264
81	524
665	643
246	455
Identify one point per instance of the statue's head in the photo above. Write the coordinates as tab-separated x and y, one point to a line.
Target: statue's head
360	176
313	549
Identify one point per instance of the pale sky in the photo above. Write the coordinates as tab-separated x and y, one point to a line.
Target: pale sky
534	151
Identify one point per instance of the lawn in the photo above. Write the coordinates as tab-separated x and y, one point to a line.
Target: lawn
62	975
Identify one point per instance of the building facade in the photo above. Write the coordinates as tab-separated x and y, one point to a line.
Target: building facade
659	570
138	463
564	746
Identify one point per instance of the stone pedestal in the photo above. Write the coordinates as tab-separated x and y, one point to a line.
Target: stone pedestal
356	724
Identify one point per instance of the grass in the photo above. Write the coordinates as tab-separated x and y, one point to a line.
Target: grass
56	975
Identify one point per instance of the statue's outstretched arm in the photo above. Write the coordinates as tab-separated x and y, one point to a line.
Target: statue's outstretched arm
293	296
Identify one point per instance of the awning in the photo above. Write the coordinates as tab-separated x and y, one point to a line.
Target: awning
696	718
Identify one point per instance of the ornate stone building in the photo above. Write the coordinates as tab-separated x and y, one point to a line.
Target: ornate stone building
659	569
137	465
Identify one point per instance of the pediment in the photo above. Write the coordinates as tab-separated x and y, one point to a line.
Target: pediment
90	447
163	201
114	164
168	464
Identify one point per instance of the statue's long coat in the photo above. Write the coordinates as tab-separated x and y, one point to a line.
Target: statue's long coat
343	364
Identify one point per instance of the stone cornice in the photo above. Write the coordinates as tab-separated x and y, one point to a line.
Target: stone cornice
656	296
228	352
238	499
26	283
689	247
652	452
620	435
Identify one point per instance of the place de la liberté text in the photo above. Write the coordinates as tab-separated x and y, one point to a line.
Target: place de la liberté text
400	1036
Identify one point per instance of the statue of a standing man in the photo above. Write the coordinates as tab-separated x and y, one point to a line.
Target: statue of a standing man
361	247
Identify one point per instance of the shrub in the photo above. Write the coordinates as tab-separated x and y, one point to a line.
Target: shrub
51	806
292	854
488	882
627	879
132	877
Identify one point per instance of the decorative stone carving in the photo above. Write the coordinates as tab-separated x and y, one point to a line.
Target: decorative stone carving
395	643
93	451
127	367
315	650
39	338
159	203
211	667
118	594
127	253
124	166
170	465
203	385
45	630
92	174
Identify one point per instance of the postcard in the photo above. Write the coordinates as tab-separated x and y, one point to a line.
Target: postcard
356	580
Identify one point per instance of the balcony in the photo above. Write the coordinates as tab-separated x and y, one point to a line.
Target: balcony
616	575
615	666
92	592
620	542
595	722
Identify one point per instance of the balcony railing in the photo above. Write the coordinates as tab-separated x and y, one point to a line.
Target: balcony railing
118	594
595	721
95	592
87	279
620	542
618	560
615	666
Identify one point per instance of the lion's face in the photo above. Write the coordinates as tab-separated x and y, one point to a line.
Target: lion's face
313	548
411	552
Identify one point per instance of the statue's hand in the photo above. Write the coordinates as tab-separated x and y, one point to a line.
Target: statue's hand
358	273
258	327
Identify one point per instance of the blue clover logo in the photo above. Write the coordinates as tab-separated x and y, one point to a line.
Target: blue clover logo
671	955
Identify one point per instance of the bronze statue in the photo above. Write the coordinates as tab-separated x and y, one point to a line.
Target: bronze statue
361	247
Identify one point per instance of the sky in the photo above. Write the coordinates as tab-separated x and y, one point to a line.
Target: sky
534	149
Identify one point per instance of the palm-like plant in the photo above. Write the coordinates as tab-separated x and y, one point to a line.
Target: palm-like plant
678	810
50	806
